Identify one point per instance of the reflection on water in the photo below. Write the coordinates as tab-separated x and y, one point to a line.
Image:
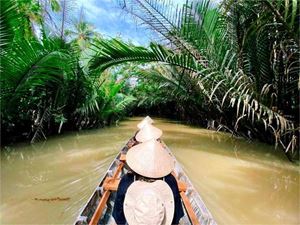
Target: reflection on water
241	182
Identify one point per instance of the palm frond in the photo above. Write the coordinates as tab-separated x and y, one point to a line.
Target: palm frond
10	22
114	52
32	65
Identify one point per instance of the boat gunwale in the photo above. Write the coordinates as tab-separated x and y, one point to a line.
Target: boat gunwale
81	218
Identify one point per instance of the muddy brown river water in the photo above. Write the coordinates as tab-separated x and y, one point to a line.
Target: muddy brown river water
240	182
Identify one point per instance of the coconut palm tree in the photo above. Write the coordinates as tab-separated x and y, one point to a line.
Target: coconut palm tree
82	34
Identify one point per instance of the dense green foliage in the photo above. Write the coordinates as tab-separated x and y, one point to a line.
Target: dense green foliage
233	67
44	85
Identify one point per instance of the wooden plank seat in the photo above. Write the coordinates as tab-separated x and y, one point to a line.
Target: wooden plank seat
182	186
112	184
122	157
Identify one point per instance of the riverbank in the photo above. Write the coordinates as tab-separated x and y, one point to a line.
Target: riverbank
209	125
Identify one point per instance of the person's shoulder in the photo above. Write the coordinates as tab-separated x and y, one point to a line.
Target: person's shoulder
128	177
126	181
170	177
171	180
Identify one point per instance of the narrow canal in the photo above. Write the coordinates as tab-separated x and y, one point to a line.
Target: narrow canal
240	182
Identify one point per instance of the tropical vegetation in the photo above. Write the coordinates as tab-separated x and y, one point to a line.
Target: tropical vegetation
44	86
231	66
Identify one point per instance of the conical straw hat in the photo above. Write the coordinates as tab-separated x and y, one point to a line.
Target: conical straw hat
146	120
149	203
150	159
147	133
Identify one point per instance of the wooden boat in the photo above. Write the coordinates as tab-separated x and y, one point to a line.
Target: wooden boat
98	209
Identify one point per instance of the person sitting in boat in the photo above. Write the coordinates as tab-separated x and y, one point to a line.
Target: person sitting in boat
149	163
146	120
148	203
147	132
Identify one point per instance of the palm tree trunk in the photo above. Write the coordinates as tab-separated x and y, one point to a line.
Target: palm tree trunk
239	35
63	19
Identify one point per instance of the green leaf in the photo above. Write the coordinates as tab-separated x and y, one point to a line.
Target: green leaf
55	5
